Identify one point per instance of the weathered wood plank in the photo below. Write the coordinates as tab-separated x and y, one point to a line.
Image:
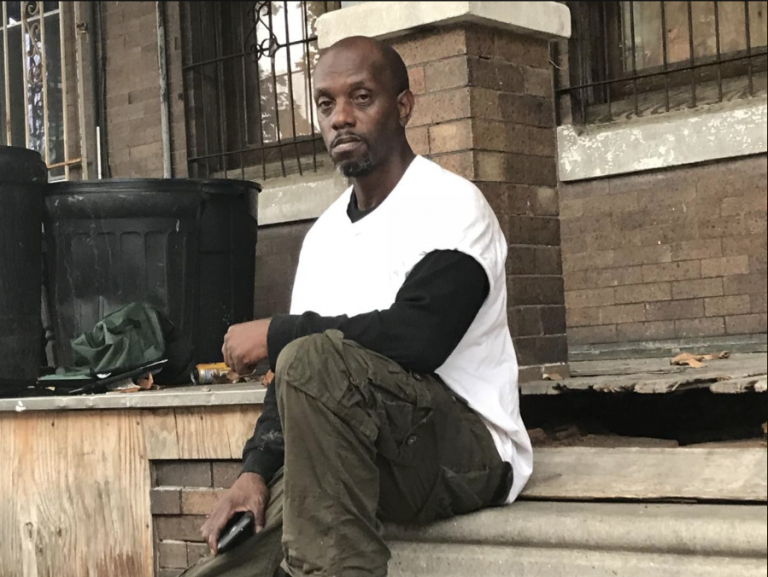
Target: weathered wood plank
650	474
161	440
216	432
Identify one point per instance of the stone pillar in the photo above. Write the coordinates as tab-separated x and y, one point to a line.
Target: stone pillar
485	109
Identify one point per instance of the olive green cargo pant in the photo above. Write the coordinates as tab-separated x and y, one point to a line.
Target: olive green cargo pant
365	441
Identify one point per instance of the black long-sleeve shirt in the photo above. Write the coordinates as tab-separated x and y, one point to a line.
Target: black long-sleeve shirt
432	311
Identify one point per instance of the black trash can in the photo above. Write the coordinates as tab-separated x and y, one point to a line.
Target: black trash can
23	176
188	247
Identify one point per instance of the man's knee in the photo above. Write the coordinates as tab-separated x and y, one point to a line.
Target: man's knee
308	356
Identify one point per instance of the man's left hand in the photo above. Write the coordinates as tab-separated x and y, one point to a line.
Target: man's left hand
245	345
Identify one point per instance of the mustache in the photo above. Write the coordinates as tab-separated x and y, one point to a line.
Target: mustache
347	136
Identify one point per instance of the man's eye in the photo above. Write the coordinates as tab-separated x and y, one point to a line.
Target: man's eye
324	104
363	97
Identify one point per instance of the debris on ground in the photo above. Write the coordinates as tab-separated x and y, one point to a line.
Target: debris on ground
696	361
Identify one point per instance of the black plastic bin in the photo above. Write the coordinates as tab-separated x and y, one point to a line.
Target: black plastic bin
23	175
185	246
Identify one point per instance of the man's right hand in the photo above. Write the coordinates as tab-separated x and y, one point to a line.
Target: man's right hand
249	493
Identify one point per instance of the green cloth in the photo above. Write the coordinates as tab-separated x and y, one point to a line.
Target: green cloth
126	339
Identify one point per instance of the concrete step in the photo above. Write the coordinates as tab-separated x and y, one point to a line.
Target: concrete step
557	539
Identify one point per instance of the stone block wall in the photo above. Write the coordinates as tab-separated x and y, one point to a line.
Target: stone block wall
673	254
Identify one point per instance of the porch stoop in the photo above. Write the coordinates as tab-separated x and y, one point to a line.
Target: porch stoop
558	539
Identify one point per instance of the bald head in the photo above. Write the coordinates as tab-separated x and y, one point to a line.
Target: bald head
383	59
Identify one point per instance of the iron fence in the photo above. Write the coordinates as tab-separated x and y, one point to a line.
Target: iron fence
248	87
630	59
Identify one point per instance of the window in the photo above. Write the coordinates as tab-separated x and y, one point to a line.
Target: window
33	91
630	59
248	88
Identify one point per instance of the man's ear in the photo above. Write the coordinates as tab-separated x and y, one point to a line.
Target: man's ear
405	103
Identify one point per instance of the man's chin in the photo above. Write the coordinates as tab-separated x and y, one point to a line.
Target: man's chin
356	167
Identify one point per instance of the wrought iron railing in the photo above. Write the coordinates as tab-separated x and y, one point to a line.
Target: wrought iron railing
248	88
629	59
33	81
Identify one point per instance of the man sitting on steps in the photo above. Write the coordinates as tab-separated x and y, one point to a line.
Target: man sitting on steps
395	396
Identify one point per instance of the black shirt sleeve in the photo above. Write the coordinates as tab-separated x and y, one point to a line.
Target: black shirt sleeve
432	311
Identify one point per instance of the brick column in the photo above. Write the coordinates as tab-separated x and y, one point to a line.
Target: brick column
485	110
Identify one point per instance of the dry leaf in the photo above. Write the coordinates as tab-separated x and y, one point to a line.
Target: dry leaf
145	383
695	361
267	379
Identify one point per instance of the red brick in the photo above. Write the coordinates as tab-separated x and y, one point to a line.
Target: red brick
515	168
537	230
758	303
724	306
746	324
592	335
532	200
199	501
449	73
588	260
180	528
538	81
496	75
431	45
745	284
671	271
745	204
165	501
734	246
417	80
441	107
582	317
196	552
673	310
541	350
635	255
548	260
643	293
689	289
521	260
418	138
461	163
725	266
571	208
172	555
535	290
622	314
651	331
226	473
553	320
704	327
183	474
590	298
451	136
697	249
609	277
525	321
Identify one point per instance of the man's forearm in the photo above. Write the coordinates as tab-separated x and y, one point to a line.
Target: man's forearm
264	453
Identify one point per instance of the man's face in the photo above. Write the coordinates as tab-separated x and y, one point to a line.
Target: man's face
357	111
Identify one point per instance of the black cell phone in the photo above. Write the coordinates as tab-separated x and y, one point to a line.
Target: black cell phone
239	528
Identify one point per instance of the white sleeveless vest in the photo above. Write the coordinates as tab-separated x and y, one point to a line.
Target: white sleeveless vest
350	268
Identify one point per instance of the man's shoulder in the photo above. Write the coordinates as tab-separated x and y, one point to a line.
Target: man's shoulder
450	192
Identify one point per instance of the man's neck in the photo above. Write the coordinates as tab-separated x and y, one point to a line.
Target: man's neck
373	189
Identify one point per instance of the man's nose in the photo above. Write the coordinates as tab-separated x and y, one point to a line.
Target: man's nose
343	115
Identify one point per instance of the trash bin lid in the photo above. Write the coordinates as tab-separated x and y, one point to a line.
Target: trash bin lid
154	185
21	166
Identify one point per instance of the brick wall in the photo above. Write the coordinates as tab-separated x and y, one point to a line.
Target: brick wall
183	494
484	110
133	90
666	255
277	257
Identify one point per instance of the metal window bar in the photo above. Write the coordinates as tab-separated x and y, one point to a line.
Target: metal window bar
31	19
264	86
651	57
